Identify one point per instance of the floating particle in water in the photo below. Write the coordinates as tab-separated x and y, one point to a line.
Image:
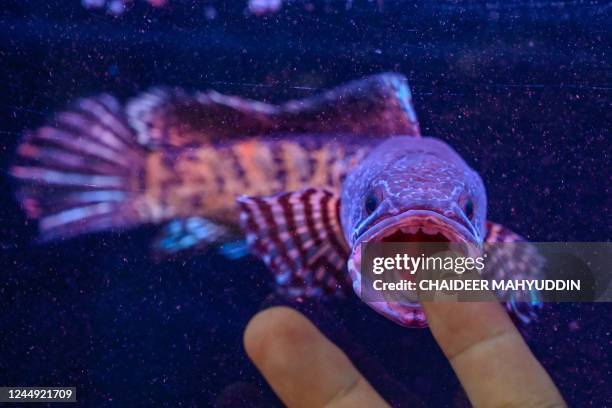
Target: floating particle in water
261	7
93	3
210	13
264	7
118	7
349	4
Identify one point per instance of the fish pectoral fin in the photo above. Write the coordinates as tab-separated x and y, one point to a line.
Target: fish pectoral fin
511	257
299	237
193	233
235	249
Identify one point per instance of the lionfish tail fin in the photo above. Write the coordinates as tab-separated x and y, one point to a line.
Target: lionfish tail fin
83	172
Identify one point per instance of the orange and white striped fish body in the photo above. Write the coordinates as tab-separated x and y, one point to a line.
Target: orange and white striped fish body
205	180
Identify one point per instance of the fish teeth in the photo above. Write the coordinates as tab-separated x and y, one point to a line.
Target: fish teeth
410	229
447	235
429	230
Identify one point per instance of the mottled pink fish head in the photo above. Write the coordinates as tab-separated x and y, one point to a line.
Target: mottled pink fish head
411	190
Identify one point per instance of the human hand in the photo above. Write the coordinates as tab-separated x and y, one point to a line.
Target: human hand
493	363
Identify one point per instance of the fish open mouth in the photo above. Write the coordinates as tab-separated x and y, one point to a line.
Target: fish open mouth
423	225
424	230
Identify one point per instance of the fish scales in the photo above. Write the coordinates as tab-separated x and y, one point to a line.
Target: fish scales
205	180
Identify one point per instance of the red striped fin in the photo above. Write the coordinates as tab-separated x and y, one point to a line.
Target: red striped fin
299	237
510	256
498	233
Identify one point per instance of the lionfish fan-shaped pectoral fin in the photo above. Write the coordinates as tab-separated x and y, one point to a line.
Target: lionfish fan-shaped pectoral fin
298	236
511	258
377	106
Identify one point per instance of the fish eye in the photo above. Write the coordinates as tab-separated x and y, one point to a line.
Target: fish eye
469	209
370	202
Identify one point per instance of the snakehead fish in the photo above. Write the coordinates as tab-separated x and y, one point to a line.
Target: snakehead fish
307	181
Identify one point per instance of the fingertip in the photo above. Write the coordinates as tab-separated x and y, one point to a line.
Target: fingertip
491	359
301	365
457	326
276	329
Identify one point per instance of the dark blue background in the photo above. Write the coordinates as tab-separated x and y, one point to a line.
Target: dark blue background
521	89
